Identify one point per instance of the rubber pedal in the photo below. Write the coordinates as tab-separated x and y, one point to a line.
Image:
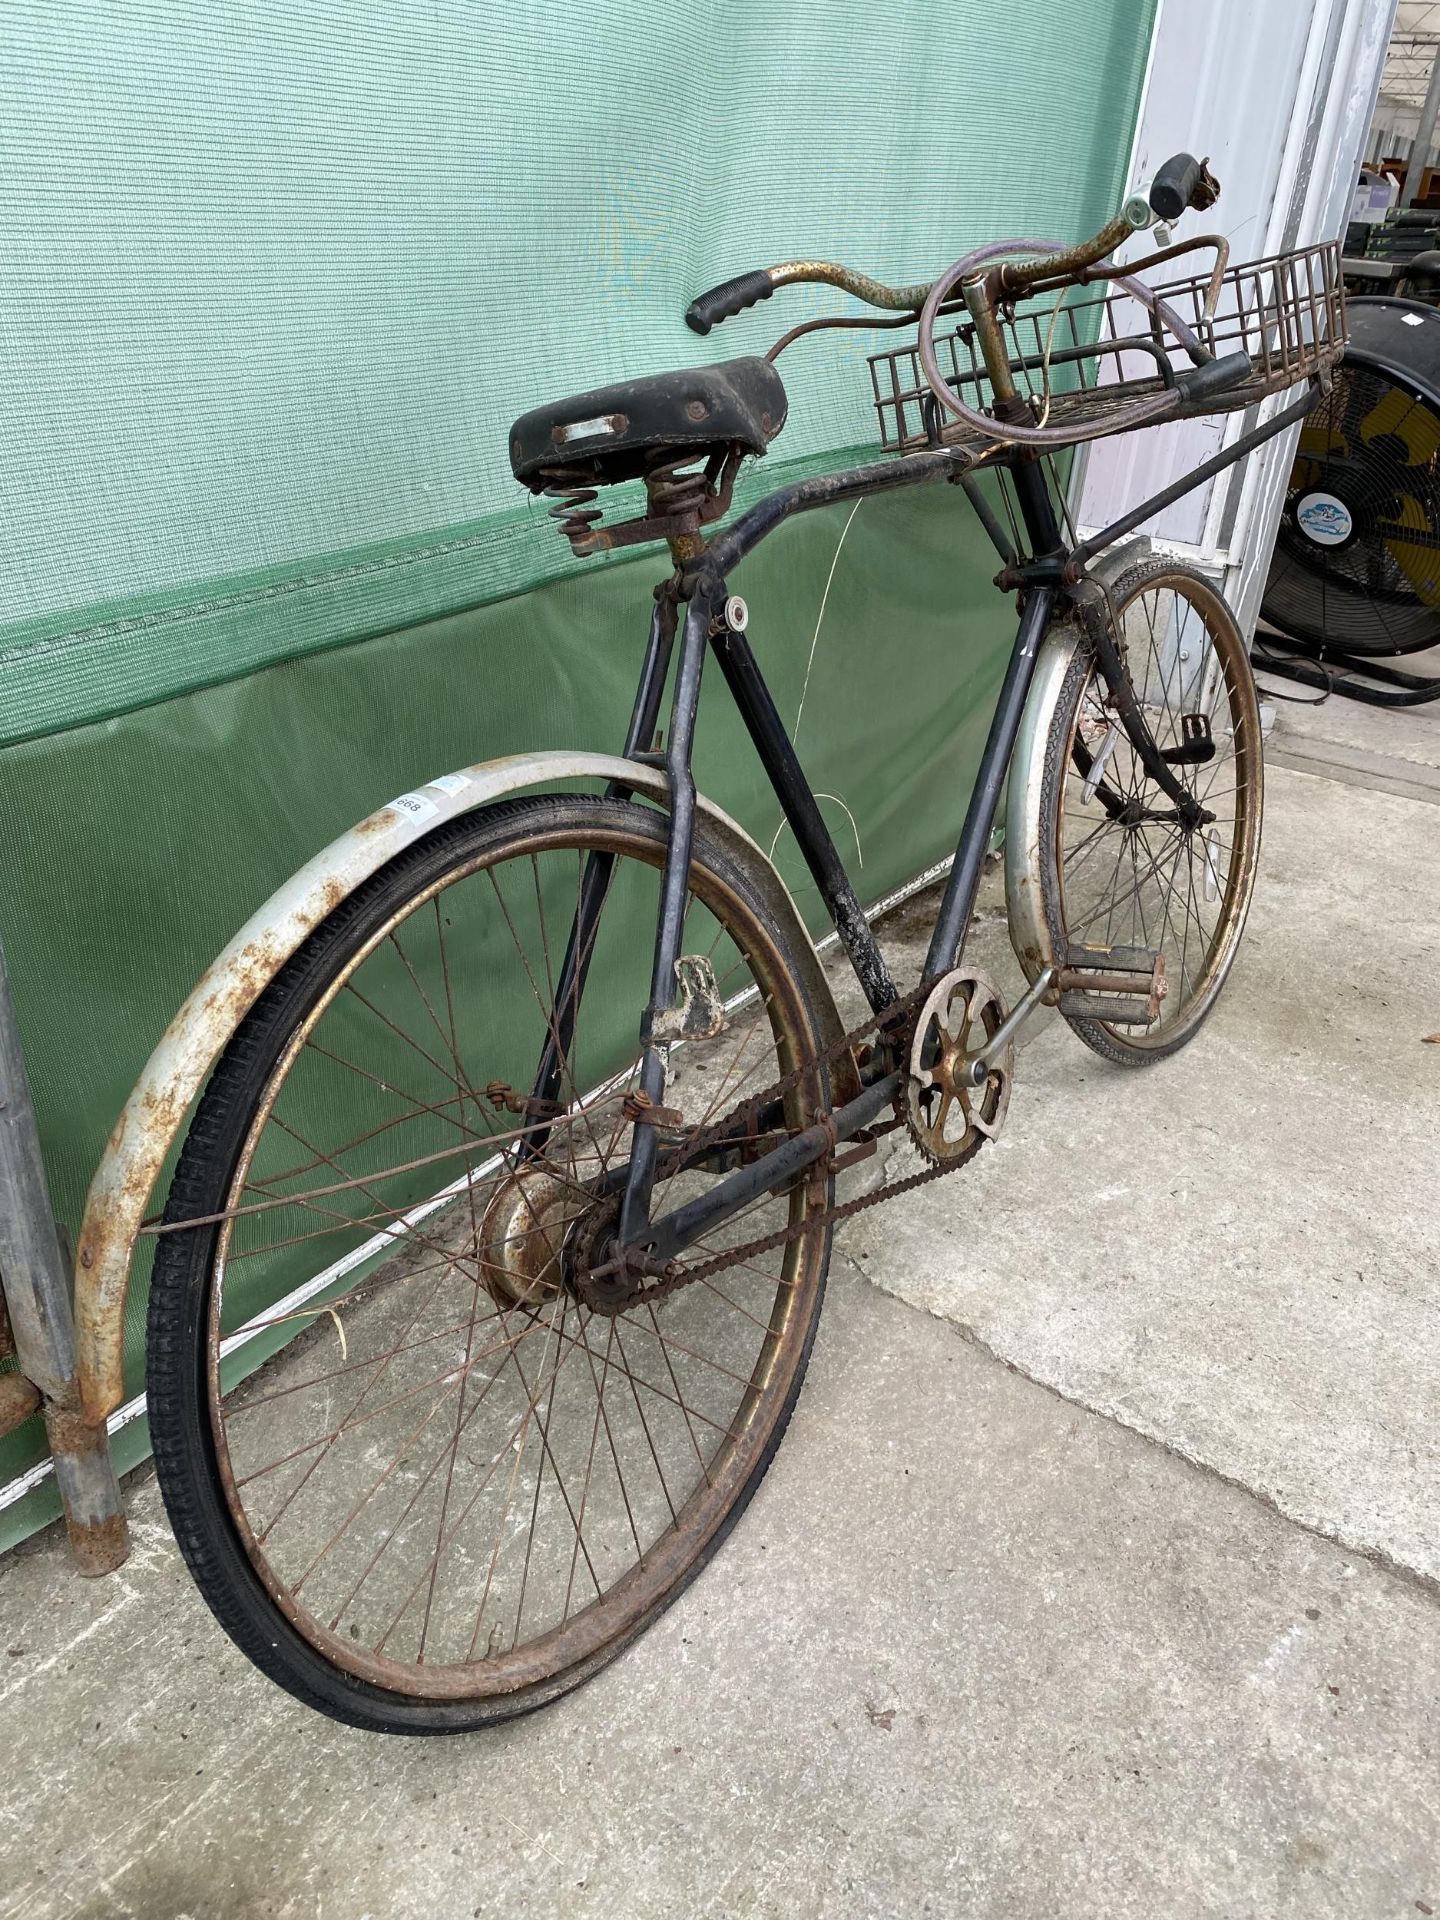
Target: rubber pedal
1115	1009
1112	959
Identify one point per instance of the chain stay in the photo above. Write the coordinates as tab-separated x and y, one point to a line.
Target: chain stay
902	1011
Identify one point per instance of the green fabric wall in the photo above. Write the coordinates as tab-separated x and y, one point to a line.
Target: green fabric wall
278	276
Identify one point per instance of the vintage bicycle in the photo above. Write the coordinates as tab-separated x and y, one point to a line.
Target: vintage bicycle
490	1267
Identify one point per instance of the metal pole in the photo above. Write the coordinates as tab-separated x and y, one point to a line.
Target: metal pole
1424	135
36	1289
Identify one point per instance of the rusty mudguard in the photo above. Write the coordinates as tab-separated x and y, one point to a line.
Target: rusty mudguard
152	1116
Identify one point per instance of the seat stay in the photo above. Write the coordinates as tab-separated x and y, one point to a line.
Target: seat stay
595	881
674	885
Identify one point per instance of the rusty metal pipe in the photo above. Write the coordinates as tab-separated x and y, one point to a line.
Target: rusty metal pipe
94	1517
979	294
1020	276
36	1282
874	293
37	1291
19	1398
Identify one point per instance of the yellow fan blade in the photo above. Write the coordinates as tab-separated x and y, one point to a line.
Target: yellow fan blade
1419	563
1415	426
1319	440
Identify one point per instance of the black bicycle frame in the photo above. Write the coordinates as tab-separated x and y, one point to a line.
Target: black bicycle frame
1051	577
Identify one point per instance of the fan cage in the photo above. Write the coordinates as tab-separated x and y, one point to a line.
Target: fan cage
1374	444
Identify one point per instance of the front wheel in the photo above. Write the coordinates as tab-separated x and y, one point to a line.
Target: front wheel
1118	867
420	1483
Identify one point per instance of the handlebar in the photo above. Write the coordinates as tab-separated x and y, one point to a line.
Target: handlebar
987	281
732	296
1181	182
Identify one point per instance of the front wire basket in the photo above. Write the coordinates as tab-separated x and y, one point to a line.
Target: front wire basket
1092	356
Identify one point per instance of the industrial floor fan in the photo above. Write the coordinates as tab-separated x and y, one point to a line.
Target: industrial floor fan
1355	576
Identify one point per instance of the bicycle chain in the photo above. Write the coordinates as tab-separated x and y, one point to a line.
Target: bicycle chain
670	1282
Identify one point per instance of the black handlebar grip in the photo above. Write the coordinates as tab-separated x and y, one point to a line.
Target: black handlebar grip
706	309
1173	188
1216	376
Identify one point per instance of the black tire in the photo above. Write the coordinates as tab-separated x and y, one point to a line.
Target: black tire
179	1354
1209	624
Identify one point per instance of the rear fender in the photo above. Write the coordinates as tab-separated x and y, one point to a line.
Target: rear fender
124	1181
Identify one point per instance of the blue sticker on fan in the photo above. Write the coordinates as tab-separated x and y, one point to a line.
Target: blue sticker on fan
1324	519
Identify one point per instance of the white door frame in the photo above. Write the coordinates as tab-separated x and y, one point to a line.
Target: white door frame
1313	68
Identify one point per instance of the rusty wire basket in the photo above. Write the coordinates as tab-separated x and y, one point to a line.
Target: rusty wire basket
1093	354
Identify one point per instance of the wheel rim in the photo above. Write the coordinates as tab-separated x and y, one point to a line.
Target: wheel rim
496	1495
1157	884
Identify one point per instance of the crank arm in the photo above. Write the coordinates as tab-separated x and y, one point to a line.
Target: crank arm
981	1065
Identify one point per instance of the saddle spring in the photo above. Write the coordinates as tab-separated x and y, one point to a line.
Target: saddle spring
684	491
673	491
573	512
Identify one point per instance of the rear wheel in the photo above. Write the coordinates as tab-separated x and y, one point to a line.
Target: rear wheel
418	1480
1118	867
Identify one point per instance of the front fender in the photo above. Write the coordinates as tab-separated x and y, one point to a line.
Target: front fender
151	1118
1024	894
1024	888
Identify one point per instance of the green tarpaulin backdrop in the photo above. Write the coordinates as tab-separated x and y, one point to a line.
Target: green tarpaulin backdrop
276	279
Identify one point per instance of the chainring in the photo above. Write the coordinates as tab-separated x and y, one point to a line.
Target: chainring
949	1117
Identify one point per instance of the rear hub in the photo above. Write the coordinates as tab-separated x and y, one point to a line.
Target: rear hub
522	1236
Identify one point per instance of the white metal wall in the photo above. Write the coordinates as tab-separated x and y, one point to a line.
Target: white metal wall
1279	94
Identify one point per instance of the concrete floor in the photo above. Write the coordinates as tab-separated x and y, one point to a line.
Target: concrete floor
1098	1575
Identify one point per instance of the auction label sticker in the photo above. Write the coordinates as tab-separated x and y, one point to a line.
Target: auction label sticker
417	805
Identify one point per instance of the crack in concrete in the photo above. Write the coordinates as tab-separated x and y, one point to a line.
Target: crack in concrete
1376	1556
